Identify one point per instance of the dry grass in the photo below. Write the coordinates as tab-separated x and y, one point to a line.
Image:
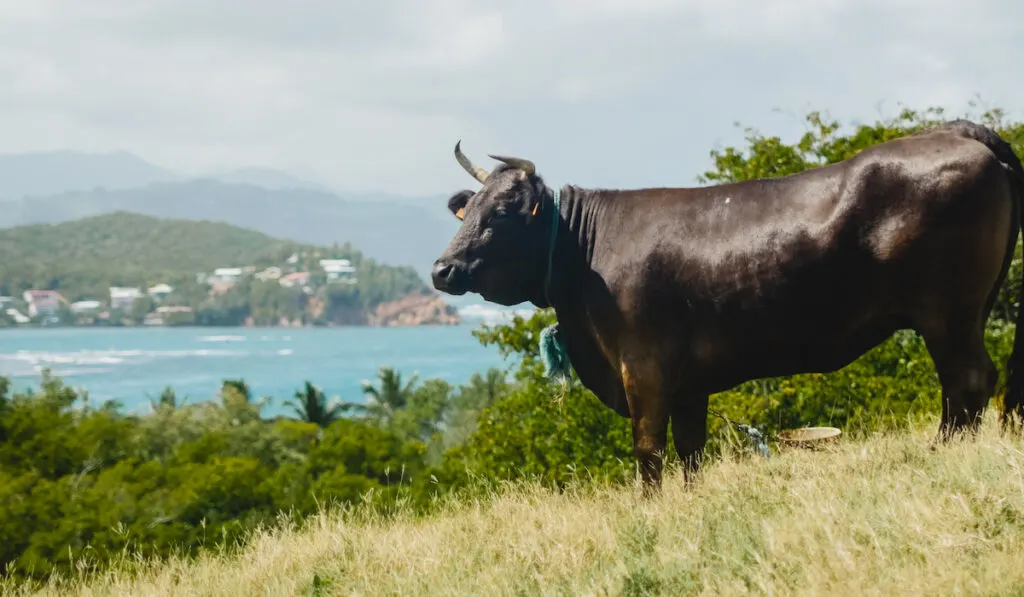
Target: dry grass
884	516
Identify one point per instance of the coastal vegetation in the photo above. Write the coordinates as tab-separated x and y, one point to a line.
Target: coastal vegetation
878	515
510	482
83	259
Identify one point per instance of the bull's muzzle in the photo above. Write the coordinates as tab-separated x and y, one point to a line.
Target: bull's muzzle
448	277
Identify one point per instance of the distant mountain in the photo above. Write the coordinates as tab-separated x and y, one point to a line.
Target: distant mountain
393	231
266	178
49	173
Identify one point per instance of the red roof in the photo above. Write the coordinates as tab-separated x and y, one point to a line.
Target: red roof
40	293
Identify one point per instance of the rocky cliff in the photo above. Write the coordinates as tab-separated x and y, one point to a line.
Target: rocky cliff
415	309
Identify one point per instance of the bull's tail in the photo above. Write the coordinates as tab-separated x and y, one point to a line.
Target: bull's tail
1013	400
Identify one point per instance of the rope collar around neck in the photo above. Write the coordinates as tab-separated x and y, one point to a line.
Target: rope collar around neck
551	245
552	346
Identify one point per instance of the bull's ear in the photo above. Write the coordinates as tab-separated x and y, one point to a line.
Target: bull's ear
457	203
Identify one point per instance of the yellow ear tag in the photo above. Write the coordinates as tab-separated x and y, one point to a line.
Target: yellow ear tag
461	213
535	206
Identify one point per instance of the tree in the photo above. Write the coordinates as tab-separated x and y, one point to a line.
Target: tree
236	388
167	399
390	397
311	405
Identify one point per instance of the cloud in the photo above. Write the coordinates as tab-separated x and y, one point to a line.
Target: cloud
373	95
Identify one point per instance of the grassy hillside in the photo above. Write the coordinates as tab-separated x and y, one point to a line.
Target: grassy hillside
885	515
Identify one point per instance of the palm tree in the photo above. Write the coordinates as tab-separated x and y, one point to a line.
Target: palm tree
311	405
168	399
236	398
382	402
239	387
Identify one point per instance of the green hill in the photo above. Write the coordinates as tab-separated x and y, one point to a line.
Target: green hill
368	221
136	241
83	258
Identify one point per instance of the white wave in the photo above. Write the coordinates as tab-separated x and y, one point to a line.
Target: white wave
492	315
65	358
43	358
74	372
285	351
222	338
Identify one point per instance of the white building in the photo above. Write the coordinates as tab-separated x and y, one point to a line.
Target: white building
160	292
225	277
17	316
271	273
80	307
42	302
123	298
338	269
227	273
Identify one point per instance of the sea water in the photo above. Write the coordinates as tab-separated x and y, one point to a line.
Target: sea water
133	365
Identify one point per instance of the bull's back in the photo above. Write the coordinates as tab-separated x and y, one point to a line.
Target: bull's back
805	272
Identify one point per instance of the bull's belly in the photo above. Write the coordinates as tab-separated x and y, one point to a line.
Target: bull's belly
805	348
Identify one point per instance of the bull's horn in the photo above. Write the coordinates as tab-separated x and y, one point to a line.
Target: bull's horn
475	171
524	165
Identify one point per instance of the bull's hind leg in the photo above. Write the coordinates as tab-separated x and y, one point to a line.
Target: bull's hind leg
690	432
966	372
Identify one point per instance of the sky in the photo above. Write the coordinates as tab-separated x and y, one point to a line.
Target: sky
372	96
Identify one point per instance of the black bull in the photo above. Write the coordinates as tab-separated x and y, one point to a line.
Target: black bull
666	295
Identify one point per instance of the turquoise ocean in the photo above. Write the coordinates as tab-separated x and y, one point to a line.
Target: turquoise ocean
133	365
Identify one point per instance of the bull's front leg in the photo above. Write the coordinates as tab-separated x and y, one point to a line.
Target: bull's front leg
649	413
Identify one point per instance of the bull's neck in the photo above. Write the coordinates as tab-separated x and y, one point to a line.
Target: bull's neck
574	242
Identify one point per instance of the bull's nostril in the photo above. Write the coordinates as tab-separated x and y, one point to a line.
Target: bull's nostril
443	274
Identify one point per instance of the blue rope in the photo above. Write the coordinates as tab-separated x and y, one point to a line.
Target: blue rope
754	435
552	345
551	246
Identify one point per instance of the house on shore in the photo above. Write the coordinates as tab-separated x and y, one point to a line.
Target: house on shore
271	273
42	302
122	298
84	307
160	292
17	316
225	278
339	270
296	279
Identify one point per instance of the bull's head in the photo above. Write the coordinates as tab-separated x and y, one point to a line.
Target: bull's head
499	250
